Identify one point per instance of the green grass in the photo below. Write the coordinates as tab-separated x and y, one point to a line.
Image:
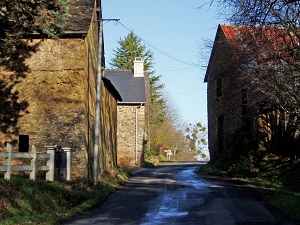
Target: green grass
24	201
286	201
162	158
279	190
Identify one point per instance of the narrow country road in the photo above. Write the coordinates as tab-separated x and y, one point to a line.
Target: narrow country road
175	194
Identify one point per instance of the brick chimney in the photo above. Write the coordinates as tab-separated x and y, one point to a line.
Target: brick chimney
138	67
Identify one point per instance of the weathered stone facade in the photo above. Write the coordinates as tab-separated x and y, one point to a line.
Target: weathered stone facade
108	141
132	113
227	112
132	134
56	97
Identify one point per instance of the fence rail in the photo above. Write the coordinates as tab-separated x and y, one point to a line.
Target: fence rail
33	167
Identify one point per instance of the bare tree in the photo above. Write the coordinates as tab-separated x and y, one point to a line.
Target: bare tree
283	13
268	57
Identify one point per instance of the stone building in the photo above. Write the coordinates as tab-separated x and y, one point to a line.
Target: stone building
235	119
132	131
50	97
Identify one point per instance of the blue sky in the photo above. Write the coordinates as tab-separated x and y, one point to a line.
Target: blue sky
175	28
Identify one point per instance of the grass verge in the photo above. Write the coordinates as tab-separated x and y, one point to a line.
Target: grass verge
276	193
24	201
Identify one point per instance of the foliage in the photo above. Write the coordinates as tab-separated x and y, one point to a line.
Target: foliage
269	62
286	201
156	93
163	117
38	202
255	12
167	134
278	13
151	155
19	18
275	178
196	136
129	48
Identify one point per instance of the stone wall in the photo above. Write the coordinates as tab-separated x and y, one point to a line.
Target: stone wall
228	104
53	88
51	98
127	134
108	143
90	68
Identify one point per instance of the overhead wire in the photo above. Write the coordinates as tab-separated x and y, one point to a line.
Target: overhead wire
160	51
162	71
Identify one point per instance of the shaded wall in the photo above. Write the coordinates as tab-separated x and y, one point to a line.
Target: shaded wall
91	67
226	105
231	121
108	142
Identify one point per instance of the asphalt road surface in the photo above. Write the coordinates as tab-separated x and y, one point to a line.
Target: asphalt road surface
175	194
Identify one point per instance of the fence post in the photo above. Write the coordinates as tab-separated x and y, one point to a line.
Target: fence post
8	161
33	163
68	152
50	164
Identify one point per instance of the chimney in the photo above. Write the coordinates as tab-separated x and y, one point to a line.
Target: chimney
138	67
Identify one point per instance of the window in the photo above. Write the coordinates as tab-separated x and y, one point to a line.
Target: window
220	134
244	101
219	87
23	143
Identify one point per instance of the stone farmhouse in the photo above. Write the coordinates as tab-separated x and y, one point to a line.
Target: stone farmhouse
132	131
49	98
236	121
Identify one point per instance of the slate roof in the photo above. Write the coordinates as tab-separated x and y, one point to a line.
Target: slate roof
131	89
112	88
80	15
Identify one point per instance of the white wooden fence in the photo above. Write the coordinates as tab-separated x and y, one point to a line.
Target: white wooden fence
33	167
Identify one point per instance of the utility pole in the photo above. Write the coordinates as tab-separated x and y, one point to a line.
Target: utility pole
98	97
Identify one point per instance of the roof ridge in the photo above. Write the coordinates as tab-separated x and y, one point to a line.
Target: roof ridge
112	69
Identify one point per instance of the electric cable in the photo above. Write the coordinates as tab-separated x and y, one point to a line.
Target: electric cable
160	51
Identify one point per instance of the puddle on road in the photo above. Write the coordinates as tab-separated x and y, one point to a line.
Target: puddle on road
167	210
188	177
176	202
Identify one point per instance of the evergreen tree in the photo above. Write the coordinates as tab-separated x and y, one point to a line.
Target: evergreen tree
131	47
19	18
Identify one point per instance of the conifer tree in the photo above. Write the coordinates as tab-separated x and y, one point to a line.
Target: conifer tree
20	18
129	48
